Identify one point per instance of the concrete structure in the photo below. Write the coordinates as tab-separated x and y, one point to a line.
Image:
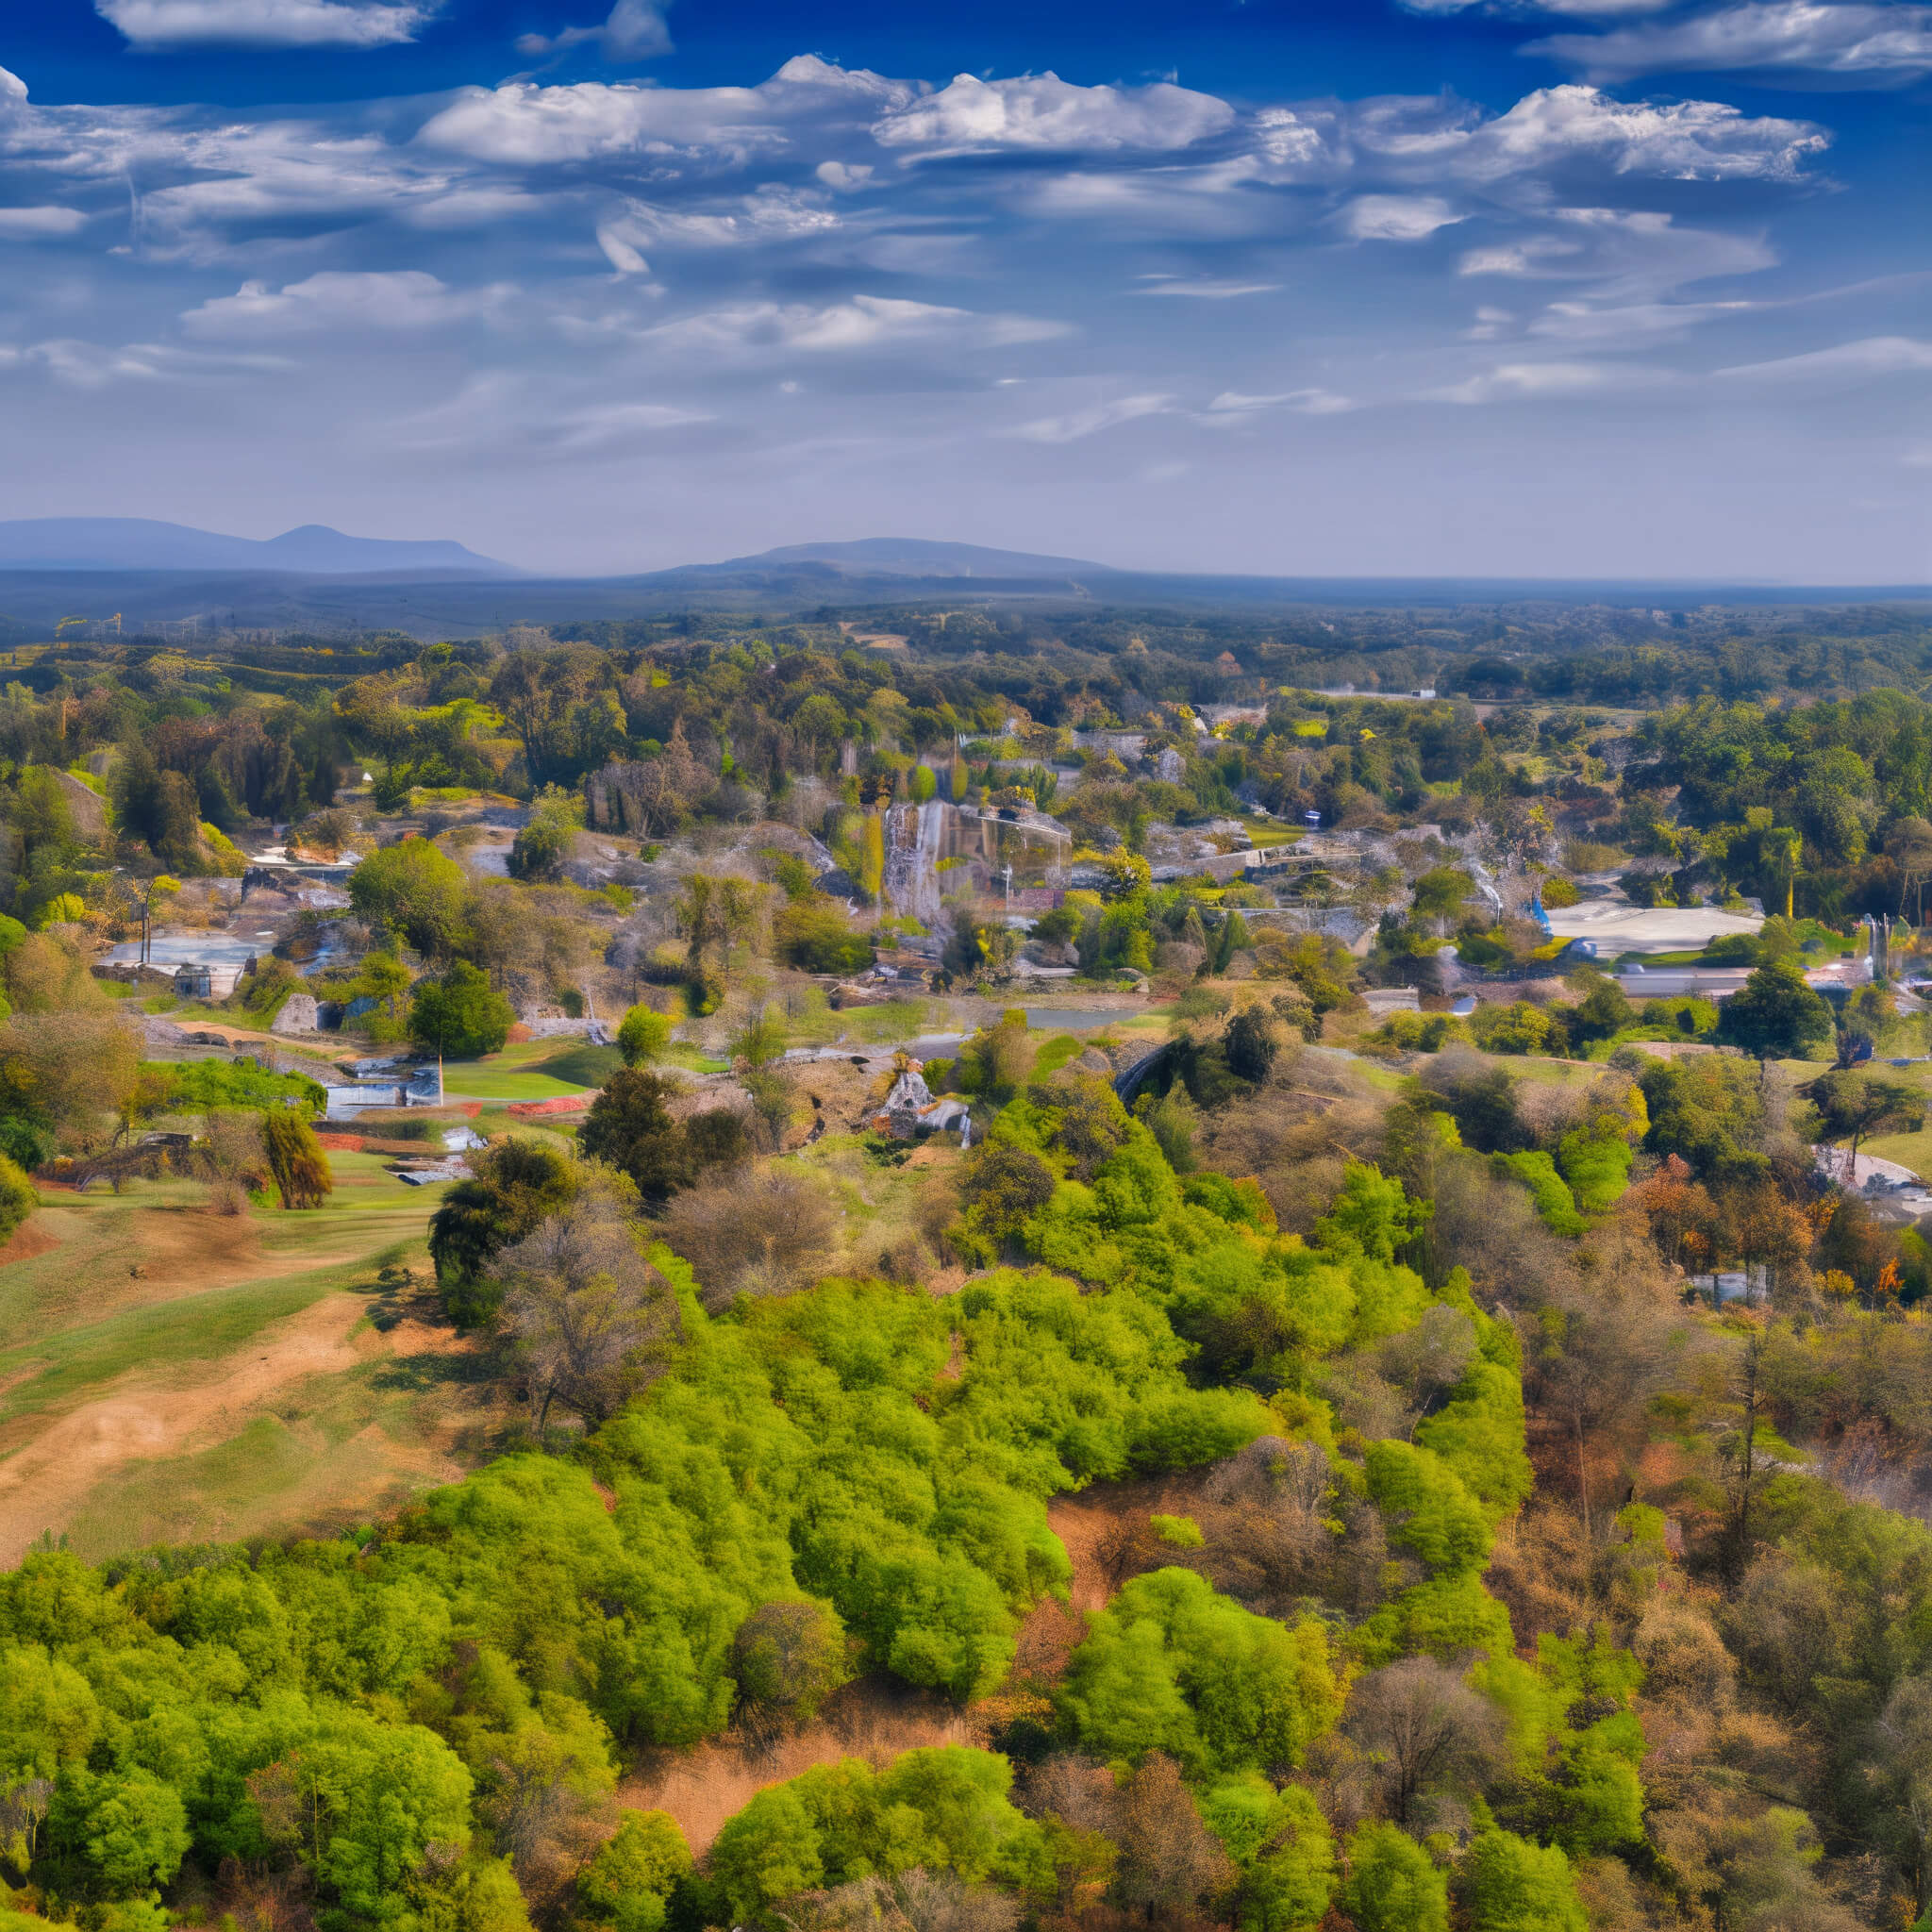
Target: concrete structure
297	1015
1618	926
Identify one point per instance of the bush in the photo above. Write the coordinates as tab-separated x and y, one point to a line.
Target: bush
642	1036
765	1234
814	935
17	1197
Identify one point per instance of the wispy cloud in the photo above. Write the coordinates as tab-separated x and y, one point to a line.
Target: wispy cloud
1079	424
1858	361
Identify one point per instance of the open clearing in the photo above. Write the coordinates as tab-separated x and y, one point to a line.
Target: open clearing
166	1373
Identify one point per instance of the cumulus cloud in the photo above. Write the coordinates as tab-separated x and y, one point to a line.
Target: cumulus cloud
523	123
864	321
636	30
356	23
1079	424
843	178
1397	217
1044	113
39	223
772	213
340	302
1847	362
1880	45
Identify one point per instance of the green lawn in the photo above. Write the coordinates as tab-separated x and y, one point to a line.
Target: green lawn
531	1070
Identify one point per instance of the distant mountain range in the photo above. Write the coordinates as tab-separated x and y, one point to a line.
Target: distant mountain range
316	578
118	543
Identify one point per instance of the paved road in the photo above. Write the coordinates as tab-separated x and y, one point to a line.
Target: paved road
1667	982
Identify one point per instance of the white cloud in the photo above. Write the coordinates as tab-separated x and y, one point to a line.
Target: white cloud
1044	113
504	414
1881	44
636	30
845	177
169	24
1203	289
96	365
1397	217
523	123
340	302
772	213
1848	361
1687	141
1633	254
1488	325
1090	422
1530	382
1304	402
1632	324
39	223
1427	141
864	321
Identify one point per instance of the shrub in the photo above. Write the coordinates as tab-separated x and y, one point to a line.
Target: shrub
642	1036
17	1197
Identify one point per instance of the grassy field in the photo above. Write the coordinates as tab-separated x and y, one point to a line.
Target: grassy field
169	1372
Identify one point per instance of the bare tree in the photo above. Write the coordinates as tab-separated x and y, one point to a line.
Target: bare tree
1420	1728
1276	1542
589	1316
760	1233
1169	1859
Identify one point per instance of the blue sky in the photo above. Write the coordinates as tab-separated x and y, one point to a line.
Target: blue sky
1530	287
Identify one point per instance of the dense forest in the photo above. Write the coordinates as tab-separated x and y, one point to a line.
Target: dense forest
1300	1456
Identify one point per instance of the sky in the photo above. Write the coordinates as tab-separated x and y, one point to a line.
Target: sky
1526	288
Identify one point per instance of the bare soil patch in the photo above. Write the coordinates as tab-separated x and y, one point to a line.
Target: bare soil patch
141	1418
35	1237
870	1719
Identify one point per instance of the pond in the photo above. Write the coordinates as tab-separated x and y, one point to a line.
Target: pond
1079	1019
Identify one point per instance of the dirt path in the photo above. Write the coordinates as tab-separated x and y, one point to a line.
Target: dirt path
42	1484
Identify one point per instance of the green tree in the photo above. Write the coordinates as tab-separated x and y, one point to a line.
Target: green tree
125	1832
1853	1106
625	1884
629	1127
297	1159
1172	1666
642	1036
1392	1885
415	889
510	1188
1775	1015
1506	1884
460	1015
541	847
